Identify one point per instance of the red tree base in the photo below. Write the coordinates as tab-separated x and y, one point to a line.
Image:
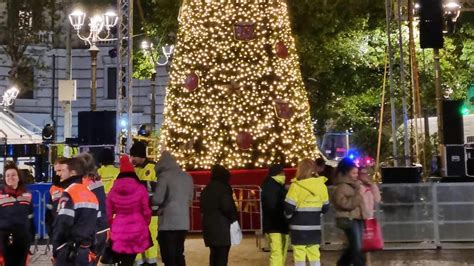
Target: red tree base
246	187
240	177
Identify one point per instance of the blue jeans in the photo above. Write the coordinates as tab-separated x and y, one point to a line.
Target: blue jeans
353	253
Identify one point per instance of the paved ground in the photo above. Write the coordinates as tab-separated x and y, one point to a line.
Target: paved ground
248	254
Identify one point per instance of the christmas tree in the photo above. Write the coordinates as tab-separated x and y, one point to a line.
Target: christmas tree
236	95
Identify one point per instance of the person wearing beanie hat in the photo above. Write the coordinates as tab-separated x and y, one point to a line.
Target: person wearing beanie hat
128	208
275	225
144	167
145	170
138	149
107	170
218	213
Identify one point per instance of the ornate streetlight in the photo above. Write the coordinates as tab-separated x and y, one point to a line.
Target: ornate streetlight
97	24
167	52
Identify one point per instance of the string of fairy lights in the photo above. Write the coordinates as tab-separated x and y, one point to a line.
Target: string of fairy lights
220	103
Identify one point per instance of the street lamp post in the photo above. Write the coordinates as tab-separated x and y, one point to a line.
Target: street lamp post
97	24
167	52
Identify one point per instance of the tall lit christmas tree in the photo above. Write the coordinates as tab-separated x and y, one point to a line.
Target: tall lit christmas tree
236	95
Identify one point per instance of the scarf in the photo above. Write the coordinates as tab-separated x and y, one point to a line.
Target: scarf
12	192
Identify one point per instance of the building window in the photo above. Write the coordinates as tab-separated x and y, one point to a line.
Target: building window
111	83
25	82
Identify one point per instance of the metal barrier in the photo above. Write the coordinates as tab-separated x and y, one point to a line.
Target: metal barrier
40	192
247	200
37	207
425	215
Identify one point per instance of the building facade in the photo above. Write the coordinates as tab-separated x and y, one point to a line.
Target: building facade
48	64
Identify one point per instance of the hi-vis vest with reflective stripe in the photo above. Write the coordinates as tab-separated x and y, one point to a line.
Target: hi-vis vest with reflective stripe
304	203
77	216
56	193
82	197
15	212
108	174
7	200
146	173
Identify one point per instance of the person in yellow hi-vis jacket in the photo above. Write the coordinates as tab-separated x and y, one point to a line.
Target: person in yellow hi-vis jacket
306	200
145	170
107	170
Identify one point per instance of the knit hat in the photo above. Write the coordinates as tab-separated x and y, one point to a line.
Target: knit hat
275	169
138	150
125	165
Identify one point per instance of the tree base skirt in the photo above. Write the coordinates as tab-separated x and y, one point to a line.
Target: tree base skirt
246	187
240	177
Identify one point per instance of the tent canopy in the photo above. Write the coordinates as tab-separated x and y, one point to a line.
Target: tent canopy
16	133
468	121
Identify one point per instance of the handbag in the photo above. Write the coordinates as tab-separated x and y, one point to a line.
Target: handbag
235	233
372	239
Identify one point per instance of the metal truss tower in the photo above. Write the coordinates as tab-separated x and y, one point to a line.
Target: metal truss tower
125	70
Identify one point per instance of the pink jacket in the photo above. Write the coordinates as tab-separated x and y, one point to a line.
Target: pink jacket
129	215
370	196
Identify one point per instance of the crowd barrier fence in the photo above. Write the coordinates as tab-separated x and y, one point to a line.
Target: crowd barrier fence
423	215
418	216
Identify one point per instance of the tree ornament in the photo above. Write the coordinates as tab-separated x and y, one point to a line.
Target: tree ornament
283	109
281	50
192	82
244	31
244	140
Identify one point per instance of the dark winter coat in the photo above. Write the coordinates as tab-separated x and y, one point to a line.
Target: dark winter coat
273	199
217	208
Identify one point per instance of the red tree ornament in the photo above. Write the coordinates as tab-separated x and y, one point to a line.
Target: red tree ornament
244	31
283	109
244	140
281	50
192	82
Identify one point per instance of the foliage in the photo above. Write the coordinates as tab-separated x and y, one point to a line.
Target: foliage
25	18
157	21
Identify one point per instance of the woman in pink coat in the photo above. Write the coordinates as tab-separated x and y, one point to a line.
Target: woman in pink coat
129	214
369	192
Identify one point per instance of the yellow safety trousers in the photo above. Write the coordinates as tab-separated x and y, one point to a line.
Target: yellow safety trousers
150	255
310	252
278	248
